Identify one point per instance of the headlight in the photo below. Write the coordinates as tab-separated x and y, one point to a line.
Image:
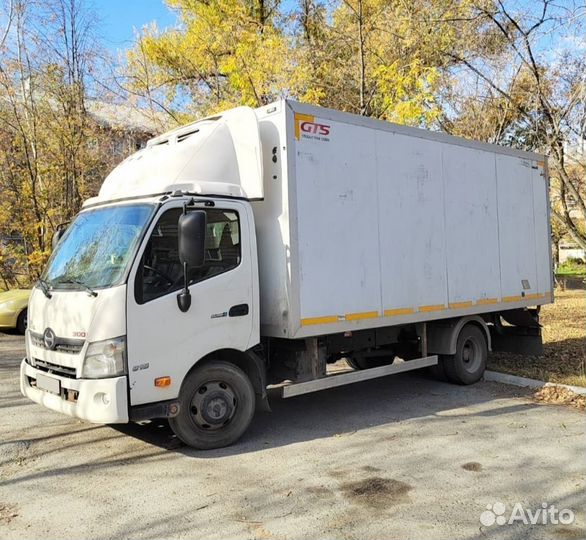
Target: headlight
105	359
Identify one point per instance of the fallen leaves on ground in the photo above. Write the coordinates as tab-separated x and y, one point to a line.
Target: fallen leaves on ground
564	339
558	395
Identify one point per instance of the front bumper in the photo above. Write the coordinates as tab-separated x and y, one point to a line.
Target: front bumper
101	401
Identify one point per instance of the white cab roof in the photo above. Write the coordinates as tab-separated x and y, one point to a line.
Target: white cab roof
219	155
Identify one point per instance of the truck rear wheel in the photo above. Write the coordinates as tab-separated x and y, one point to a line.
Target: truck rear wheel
438	372
216	406
468	364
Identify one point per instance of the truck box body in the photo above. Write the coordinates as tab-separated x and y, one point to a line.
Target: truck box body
367	224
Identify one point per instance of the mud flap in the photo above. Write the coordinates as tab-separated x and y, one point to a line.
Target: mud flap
517	339
262	403
258	378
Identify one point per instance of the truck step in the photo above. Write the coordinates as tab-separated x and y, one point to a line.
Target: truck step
331	381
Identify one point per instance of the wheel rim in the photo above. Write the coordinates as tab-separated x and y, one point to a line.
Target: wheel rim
471	355
213	405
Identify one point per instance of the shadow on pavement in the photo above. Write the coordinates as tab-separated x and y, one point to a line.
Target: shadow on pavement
345	410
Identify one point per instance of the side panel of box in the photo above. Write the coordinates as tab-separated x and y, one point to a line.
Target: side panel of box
412	229
391	228
516	227
543	252
337	221
471	223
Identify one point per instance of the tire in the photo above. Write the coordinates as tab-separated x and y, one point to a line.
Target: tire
438	371
217	404
468	364
22	322
360	363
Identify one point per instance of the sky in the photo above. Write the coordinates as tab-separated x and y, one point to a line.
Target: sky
120	18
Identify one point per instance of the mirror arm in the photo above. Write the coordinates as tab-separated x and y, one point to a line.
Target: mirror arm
184	297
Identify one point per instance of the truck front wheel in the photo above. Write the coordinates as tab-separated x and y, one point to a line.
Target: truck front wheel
216	406
468	364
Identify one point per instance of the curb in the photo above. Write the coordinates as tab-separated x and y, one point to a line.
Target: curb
505	378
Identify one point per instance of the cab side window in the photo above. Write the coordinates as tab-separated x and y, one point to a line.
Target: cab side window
160	271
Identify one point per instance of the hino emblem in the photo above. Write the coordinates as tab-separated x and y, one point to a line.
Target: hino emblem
49	339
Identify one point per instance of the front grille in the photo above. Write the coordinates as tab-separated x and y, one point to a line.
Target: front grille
69	348
49	367
37	340
64	345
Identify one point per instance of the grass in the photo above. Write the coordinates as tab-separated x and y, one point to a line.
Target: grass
573	272
570	268
564	341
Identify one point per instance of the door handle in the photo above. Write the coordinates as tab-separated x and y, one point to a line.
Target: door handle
238	311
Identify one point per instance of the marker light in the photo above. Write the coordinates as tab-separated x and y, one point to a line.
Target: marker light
161	382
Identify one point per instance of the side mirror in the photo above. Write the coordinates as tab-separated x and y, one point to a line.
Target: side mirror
191	235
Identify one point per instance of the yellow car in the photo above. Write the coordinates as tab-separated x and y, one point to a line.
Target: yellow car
13	309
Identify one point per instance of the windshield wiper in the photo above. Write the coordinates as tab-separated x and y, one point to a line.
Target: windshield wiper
44	286
89	290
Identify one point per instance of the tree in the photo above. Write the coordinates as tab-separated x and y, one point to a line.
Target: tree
524	94
226	53
379	58
49	158
375	58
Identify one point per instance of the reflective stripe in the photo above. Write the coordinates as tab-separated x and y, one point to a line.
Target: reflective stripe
399	311
363	315
435	307
319	320
484	301
410	311
460	305
533	296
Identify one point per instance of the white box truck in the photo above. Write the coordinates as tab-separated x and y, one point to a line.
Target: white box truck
255	247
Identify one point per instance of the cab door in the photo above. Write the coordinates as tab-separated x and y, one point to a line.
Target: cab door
163	341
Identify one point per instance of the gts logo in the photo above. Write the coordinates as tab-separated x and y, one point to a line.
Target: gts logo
306	124
315	129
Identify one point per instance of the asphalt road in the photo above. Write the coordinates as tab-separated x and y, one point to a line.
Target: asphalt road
401	457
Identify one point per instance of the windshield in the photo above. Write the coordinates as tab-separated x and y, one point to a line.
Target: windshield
97	247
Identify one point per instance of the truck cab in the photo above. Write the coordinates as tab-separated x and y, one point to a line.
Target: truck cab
111	338
107	338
